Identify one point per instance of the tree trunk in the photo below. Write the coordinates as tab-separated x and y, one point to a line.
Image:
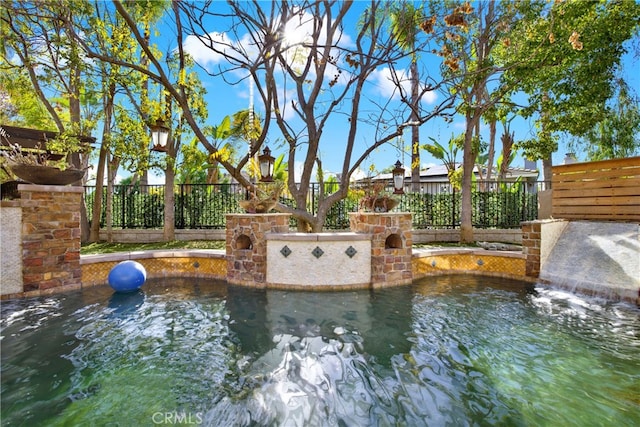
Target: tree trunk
492	149
468	161
415	130
547	172
169	203
96	213
112	169
144	182
507	145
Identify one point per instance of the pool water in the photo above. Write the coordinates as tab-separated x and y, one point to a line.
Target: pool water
447	351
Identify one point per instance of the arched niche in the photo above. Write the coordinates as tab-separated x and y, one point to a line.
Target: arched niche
393	241
243	242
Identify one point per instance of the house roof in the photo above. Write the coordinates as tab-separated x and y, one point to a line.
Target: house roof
439	173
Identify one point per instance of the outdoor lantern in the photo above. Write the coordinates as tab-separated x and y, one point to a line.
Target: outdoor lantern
266	165
159	136
398	178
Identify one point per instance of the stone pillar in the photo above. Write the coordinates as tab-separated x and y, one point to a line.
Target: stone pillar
246	246
50	237
545	200
391	245
531	243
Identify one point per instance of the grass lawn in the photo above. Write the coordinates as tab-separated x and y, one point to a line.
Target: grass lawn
107	248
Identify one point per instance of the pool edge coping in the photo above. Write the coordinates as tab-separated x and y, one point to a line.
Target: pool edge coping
417	253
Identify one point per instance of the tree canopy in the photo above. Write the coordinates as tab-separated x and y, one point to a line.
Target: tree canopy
78	66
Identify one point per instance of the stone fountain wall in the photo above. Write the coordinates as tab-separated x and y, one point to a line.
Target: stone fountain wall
41	240
246	246
316	261
261	252
391	245
595	258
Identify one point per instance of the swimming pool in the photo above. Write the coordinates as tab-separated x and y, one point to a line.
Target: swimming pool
453	350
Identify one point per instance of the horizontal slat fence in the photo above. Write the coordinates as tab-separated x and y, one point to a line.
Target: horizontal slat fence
607	190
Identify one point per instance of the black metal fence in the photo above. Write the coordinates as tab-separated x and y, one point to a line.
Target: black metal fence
436	205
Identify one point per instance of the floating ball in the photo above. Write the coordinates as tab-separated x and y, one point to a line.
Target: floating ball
127	276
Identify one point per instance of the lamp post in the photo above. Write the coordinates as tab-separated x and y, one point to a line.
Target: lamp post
266	165
159	136
398	178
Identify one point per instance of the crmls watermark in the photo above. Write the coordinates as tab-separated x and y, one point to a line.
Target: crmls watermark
176	417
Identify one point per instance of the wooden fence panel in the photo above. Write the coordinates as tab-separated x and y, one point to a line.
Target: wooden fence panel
607	190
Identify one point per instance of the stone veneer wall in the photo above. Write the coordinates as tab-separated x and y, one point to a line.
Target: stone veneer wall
246	246
50	237
531	244
318	261
11	247
391	245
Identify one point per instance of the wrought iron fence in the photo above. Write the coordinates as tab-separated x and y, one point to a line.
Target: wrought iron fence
436	205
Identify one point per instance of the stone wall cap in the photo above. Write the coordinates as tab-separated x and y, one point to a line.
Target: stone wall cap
51	188
382	213
97	258
343	237
151	254
259	215
503	254
294	237
424	252
318	237
543	221
427	252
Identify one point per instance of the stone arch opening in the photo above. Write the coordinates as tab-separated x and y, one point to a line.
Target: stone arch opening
243	242
393	241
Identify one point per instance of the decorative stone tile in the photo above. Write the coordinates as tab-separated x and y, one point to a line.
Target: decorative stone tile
285	251
351	251
317	252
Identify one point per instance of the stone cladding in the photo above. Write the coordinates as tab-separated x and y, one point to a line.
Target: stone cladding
246	246
391	245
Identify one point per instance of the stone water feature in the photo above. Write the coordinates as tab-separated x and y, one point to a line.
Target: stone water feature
40	235
595	258
261	252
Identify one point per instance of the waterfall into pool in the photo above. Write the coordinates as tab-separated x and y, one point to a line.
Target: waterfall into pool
596	258
446	351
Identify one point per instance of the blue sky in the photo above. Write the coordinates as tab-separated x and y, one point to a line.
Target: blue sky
224	99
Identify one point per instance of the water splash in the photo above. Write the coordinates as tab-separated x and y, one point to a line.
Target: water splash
596	258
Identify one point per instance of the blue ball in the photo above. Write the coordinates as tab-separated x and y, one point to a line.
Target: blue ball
127	276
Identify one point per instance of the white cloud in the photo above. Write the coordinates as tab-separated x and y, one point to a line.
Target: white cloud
286	99
200	48
297	31
430	97
382	79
